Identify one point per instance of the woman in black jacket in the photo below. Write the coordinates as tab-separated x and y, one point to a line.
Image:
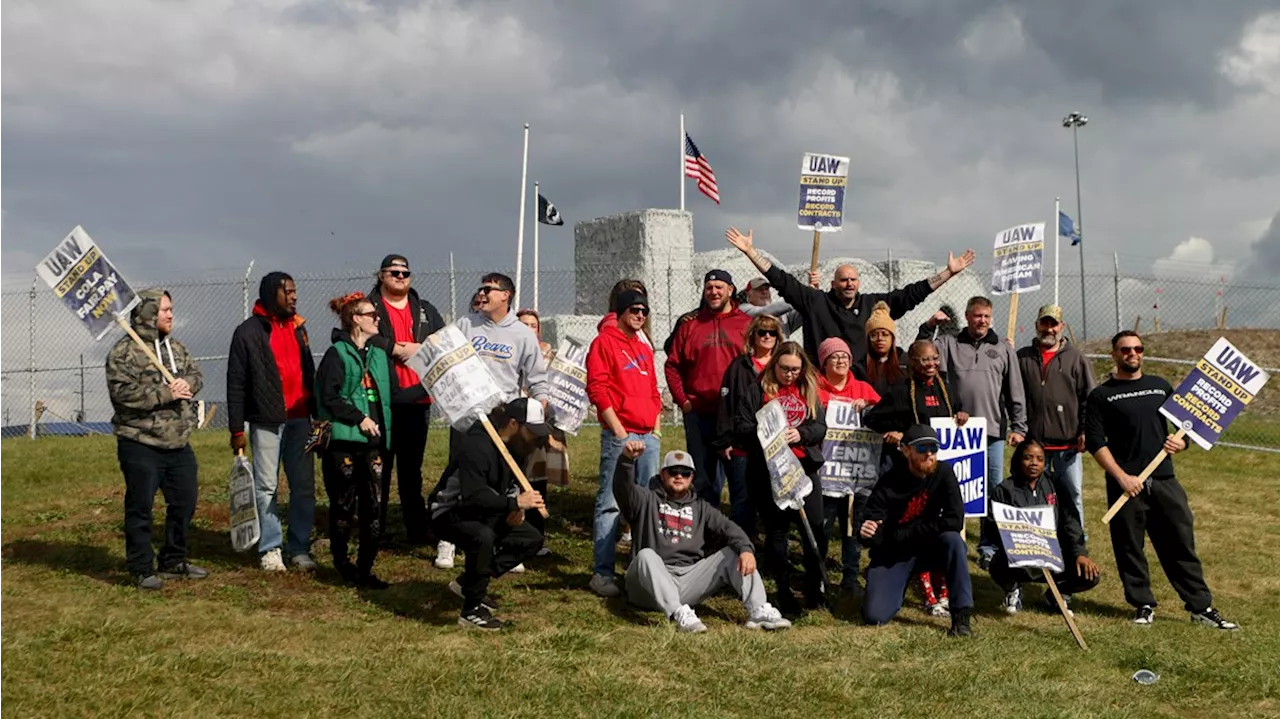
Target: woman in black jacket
790	379
763	337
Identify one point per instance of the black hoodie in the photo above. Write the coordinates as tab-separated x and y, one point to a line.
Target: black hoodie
912	511
1017	492
427	319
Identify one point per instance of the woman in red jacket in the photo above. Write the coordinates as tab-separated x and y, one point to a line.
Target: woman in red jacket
623	385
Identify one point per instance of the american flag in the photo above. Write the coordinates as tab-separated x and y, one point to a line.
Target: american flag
697	167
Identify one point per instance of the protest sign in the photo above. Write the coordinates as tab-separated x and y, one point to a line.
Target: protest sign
567	376
1018	265
1208	399
852	454
1030	539
965	449
787	477
823	179
462	388
87	283
243	509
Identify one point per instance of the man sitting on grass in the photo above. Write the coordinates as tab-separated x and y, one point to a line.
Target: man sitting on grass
670	528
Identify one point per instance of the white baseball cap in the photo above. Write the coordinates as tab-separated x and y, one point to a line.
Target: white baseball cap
677	458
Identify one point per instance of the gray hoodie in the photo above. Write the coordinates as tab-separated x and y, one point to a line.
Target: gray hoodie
511	351
787	317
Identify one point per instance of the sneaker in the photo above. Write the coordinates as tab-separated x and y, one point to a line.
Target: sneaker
605	586
960	623
626	538
1012	603
789	605
444	555
544	552
303	562
1212	618
486	601
347	571
1051	604
938	610
686	621
371	581
151	582
480	618
518	569
766	617
184	570
1145	615
985	555
851	588
271	561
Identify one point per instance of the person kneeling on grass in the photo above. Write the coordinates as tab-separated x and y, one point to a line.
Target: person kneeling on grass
477	507
1026	487
670	529
914	517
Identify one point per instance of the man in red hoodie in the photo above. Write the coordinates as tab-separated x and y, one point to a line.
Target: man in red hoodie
622	383
700	353
270	372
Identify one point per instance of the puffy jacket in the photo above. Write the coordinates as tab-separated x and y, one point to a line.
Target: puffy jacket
621	376
1056	393
701	352
255	392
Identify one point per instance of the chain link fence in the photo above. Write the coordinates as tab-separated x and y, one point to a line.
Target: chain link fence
49	358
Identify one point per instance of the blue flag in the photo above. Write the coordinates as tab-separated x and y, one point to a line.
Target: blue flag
1067	228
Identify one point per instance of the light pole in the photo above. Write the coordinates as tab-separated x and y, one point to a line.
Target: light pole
1075	121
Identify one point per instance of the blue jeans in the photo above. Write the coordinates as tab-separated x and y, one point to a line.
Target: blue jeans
887	581
606	514
741	508
699	431
272	446
1065	468
995	465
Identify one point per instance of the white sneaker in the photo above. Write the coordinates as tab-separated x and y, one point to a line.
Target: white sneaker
444	555
518	569
766	617
271	561
626	538
939	610
687	621
1012	603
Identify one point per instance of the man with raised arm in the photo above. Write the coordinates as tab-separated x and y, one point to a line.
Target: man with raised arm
843	311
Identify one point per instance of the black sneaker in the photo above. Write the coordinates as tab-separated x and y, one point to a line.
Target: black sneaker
371	581
184	570
1145	615
480	618
1211	617
960	622
347	571
789	606
487	601
852	588
149	582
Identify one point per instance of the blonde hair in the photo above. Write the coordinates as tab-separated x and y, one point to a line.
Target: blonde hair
761	322
807	382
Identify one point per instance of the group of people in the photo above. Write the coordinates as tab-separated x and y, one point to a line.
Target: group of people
364	409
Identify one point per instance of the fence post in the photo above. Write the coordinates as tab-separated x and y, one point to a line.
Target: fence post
245	289
1115	258
31	352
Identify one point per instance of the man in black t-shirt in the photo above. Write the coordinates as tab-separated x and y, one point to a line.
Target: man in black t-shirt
1124	431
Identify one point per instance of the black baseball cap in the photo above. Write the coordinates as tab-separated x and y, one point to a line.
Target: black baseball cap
392	260
529	413
721	275
920	434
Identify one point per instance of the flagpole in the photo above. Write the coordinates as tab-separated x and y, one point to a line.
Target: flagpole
453	292
682	136
1057	222
524	180
536	203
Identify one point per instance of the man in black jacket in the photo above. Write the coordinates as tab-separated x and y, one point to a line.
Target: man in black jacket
407	320
843	311
270	374
914	517
477	506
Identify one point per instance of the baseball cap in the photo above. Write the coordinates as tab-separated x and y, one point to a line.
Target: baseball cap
1053	311
529	413
757	283
677	458
393	259
920	435
721	275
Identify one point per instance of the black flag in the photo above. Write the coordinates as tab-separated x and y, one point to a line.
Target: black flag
547	212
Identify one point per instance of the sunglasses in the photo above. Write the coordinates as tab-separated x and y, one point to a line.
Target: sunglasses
766	333
489	288
680	472
929	448
399	274
637	310
1136	349
370	313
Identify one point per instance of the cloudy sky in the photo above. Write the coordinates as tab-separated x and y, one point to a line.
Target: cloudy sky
189	137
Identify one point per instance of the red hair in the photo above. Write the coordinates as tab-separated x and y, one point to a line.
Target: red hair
345	308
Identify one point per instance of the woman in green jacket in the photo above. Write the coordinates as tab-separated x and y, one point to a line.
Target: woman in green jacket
355	387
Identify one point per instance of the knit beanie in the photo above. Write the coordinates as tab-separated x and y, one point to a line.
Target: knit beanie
830	346
880	320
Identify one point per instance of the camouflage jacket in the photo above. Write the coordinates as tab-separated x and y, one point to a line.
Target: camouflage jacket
145	410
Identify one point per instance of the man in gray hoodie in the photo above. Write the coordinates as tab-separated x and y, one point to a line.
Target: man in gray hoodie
670	527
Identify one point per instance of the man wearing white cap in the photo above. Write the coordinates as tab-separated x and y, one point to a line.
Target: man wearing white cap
670	528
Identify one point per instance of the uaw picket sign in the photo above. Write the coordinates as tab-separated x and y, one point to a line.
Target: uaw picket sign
790	484
852	454
1018	259
87	283
965	449
1214	393
567	377
243	509
459	382
822	183
1029	535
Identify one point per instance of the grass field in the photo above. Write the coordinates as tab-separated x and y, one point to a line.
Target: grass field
79	641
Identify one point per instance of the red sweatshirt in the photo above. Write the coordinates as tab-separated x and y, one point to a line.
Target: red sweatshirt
621	376
288	356
854	388
703	348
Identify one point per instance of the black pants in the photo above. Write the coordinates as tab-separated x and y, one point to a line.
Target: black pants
172	472
777	530
492	548
836	522
1068	581
409	424
353	478
1162	512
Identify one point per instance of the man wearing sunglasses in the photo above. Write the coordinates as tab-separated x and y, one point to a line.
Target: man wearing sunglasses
672	531
405	321
1124	431
914	518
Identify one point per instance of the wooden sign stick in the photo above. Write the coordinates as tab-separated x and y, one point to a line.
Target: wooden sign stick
146	348
813	544
1013	316
849	533
1062	605
813	260
1106	518
511	461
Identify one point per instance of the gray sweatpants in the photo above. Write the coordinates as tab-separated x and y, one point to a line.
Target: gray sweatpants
653	585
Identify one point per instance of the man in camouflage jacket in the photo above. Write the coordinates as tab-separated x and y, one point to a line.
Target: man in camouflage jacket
153	420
